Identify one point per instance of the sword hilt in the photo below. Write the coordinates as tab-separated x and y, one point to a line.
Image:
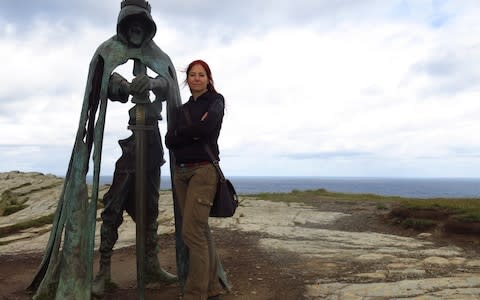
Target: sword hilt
139	68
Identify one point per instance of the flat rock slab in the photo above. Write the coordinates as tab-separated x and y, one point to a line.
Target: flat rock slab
340	264
463	286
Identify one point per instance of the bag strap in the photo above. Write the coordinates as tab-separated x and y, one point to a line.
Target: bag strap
215	162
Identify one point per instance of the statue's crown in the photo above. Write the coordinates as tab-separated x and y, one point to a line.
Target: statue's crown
140	3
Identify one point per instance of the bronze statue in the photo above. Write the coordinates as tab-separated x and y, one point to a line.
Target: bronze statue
66	271
136	28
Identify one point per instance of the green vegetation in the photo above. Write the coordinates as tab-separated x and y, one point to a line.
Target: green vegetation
100	204
8	197
323	194
11	209
9	203
463	209
38	189
382	206
418	224
39	222
469	217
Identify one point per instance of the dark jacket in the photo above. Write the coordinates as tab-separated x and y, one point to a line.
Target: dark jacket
188	138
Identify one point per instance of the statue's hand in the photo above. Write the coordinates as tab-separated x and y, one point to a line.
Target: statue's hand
158	83
140	84
118	88
143	83
159	87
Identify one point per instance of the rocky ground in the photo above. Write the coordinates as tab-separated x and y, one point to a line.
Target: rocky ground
270	250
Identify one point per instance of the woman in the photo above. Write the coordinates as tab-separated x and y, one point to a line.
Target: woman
195	177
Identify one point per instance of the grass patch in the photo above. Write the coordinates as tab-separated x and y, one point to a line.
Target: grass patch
323	194
4	243
418	224
468	218
456	205
11	209
41	188
100	204
467	209
464	209
382	206
9	198
39	222
21	186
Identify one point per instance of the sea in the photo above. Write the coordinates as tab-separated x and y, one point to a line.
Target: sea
403	187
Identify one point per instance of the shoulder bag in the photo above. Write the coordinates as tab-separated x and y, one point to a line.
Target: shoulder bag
226	199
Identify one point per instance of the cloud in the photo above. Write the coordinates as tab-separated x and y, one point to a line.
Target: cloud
205	16
352	88
449	71
73	14
35	157
328	155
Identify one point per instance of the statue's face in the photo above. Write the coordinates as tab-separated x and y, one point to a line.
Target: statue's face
136	33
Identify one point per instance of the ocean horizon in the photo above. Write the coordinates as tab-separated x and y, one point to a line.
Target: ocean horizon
388	186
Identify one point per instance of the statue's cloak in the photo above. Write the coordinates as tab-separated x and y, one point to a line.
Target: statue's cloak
66	269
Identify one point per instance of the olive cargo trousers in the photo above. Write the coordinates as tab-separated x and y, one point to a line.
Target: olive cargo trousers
195	188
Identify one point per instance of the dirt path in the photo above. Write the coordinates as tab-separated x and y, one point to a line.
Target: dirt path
324	250
253	272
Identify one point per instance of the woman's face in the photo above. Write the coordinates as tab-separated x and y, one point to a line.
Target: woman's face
197	79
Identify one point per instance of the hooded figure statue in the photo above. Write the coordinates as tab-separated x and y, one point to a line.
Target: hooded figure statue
66	270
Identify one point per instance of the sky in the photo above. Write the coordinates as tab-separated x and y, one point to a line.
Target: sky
371	88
